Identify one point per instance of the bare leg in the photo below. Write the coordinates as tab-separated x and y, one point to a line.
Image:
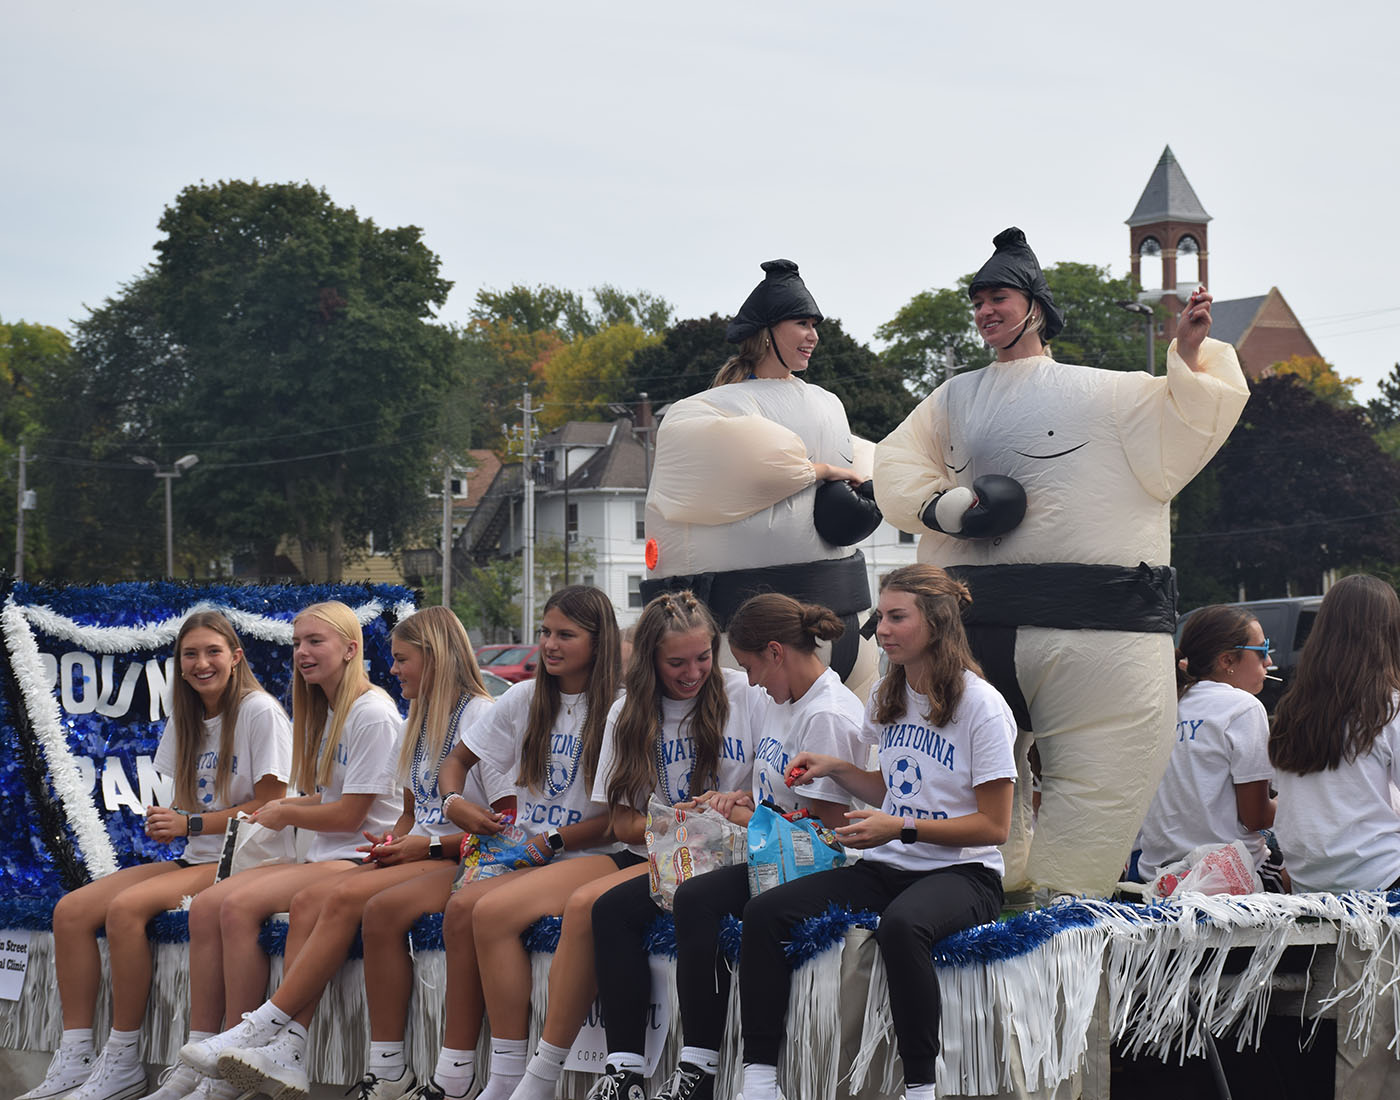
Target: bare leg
76	919
498	922
387	918
573	982
241	915
128	949
465	1005
332	909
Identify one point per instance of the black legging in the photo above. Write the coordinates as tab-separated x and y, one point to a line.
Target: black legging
620	920
917	909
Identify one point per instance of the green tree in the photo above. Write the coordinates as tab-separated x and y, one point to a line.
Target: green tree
1300	487
288	342
589	372
933	336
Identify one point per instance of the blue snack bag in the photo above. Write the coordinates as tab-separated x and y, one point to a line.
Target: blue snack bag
783	847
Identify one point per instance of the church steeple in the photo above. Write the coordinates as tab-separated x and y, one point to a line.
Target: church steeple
1169	222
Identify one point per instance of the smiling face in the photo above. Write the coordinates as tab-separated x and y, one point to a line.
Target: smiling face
320	653
795	340
684	660
410	667
566	649
903	632
206	664
999	313
767	670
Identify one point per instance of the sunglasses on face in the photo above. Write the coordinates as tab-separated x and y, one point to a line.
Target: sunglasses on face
1263	650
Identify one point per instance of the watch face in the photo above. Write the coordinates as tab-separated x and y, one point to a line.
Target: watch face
555	840
196	825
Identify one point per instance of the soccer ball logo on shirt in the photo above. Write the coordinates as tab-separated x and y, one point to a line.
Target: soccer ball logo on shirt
904	777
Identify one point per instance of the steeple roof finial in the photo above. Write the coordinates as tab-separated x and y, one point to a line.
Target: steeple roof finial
1168	196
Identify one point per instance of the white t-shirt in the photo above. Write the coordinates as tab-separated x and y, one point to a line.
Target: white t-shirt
930	771
428	819
1337	829
364	763
497	741
826	720
1222	738
262	745
678	747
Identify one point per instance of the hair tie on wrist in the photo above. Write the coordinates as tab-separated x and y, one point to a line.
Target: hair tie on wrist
1181	664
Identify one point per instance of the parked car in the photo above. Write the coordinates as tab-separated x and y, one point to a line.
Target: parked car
1286	623
496	685
510	662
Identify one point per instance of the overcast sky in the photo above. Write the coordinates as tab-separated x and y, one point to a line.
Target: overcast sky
672	147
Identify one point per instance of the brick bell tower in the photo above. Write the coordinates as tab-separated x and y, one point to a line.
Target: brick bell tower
1169	223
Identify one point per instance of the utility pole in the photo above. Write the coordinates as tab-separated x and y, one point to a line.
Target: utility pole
527	552
21	506
446	530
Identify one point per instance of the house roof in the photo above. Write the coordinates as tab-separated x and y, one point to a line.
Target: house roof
1231	319
1168	196
479	479
619	465
581	433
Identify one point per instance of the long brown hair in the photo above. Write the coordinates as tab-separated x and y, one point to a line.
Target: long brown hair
310	705
1208	633
450	672
743	362
773	617
940	600
591	609
188	714
639	723
1343	691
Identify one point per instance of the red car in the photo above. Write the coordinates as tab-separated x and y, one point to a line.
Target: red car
509	662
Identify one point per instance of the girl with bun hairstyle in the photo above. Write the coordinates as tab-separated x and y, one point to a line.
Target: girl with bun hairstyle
684	729
803	707
227	745
931	865
1216	789
345	738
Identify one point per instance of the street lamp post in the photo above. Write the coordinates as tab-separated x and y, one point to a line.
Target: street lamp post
180	466
1145	311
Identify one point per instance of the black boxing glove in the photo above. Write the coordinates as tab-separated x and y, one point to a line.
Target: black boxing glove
993	506
844	515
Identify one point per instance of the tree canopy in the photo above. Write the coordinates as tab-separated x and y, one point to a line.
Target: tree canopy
289	342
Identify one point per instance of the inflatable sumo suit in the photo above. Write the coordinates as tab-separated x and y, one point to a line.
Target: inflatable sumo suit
1073	607
735	507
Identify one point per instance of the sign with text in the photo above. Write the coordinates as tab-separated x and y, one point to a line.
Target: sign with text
590	1050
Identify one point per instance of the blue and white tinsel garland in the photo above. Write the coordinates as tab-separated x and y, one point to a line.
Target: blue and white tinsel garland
103	623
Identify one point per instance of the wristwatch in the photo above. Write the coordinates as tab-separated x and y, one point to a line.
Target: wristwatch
555	840
909	832
435	848
194	825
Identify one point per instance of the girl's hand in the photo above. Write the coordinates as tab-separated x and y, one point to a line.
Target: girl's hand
397	850
374	841
273	815
1193	326
807	766
827	472
164	824
725	802
471	818
868	829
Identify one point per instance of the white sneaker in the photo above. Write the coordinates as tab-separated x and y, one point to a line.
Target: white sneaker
386	1088
69	1068
204	1055
177	1082
277	1068
211	1088
112	1079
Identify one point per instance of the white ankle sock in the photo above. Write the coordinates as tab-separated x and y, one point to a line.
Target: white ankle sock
455	1071
507	1068
625	1059
386	1060
122	1046
542	1074
269	1013
701	1058
760	1081
76	1038
200	1036
298	1034
919	1092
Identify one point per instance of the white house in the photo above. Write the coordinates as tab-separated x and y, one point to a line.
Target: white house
590	492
